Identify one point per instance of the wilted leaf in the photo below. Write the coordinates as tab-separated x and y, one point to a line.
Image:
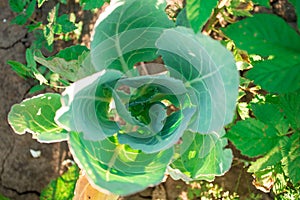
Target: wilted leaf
67	63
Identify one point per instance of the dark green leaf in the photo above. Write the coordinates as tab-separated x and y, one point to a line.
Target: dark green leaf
40	41
253	138
30	8
271	114
182	20
36	88
63	25
32	27
63	1
20	19
265	3
63	187
3	197
272	158
92	4
278	43
199	11
72	52
17	5
296	5
20	69
290	104
291	159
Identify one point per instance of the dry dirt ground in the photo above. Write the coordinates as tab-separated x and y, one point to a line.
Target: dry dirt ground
22	177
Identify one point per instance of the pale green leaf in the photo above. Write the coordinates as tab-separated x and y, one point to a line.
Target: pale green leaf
118	168
36	116
253	138
278	43
203	156
199	11
85	106
126	33
48	35
68	63
209	73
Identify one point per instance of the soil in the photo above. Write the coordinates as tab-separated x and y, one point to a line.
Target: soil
22	177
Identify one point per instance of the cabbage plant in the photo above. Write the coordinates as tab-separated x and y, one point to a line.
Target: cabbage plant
126	125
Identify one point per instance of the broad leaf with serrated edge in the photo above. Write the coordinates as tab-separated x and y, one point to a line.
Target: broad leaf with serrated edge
36	116
253	138
272	158
277	42
209	73
117	168
291	158
271	114
291	107
126	33
203	156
